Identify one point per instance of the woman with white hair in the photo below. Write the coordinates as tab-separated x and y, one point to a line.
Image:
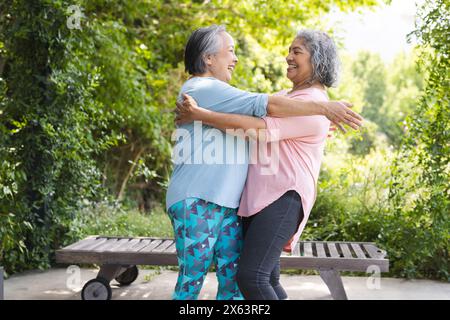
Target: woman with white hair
202	198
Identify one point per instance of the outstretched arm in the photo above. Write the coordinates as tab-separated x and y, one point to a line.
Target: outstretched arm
337	112
224	121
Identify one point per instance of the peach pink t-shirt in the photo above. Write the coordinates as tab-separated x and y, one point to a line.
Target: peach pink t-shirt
295	147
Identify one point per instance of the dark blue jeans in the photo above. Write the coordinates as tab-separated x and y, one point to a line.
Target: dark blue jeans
265	235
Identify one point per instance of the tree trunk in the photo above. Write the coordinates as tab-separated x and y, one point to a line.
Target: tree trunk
129	173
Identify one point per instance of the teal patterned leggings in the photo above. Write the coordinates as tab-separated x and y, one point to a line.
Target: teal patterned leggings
204	233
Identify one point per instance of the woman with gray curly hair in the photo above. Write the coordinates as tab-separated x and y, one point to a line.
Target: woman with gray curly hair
279	196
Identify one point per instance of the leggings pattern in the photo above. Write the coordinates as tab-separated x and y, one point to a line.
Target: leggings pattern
205	233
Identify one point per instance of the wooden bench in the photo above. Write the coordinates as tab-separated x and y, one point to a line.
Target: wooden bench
118	257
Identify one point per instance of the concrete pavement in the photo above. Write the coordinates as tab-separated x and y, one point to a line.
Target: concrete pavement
66	284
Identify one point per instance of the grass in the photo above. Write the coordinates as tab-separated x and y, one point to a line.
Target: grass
108	221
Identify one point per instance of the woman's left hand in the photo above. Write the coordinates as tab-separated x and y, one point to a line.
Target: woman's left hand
188	110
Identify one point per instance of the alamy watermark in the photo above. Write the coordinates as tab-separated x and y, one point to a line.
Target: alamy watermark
73	281
373	282
74	20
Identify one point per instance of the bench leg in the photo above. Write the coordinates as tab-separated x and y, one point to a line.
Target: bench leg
334	283
109	272
1	284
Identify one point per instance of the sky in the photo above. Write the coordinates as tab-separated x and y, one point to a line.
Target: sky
381	30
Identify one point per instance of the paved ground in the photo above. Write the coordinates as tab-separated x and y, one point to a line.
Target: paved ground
153	284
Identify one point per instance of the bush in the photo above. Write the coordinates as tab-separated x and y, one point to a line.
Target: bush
355	203
352	195
48	123
420	190
106	219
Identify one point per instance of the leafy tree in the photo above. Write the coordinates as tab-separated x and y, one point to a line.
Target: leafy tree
48	118
405	84
389	90
420	190
370	70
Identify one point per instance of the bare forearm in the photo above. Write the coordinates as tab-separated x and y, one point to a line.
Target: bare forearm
235	124
225	121
279	106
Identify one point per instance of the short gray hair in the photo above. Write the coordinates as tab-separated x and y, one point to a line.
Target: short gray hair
202	42
324	58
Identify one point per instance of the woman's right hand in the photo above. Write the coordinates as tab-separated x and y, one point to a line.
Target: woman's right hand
339	113
188	110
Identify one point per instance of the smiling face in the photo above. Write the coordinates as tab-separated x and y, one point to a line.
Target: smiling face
221	64
299	68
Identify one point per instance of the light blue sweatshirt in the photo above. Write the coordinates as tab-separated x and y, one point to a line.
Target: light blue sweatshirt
208	163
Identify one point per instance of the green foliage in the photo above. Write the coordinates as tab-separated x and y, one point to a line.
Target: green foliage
48	121
106	219
399	198
387	92
352	194
363	143
420	190
405	84
371	70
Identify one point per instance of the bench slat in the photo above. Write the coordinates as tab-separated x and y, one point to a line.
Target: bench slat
163	246
359	253
142	244
345	250
117	245
81	243
128	247
374	252
106	245
320	250
151	246
308	249
172	248
333	250
343	264
93	245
